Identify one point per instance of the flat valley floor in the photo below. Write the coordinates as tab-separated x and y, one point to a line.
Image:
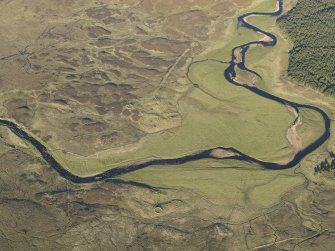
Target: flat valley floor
109	83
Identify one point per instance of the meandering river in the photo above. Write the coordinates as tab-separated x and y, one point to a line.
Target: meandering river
230	75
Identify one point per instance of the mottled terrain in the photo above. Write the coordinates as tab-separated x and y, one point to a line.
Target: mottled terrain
112	71
88	77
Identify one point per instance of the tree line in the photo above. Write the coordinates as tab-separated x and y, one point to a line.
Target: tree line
311	26
327	165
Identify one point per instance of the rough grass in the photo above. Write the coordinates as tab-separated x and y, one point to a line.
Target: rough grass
311	127
232	187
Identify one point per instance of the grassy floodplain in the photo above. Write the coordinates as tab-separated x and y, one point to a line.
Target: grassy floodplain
240	187
216	114
207	204
230	116
244	187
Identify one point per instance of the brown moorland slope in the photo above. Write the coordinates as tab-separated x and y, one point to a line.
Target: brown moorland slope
86	76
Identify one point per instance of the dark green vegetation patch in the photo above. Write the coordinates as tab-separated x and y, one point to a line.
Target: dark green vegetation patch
327	165
311	25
